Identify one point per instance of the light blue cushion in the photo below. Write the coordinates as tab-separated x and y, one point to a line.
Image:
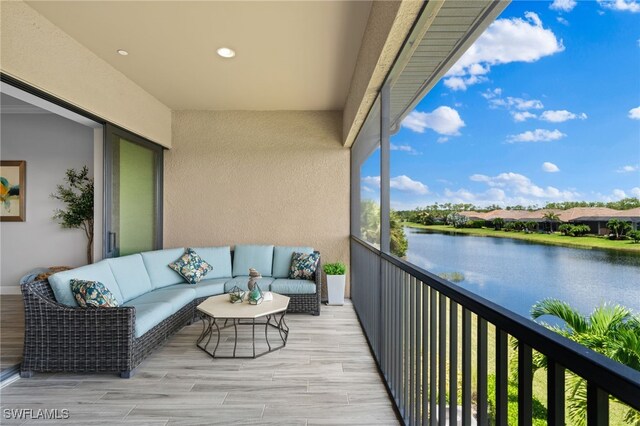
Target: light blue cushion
219	258
148	315
176	297
251	256
286	286
131	276
242	282
61	286
157	264
205	288
282	259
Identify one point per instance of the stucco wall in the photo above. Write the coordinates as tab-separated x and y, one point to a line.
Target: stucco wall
258	177
37	52
50	145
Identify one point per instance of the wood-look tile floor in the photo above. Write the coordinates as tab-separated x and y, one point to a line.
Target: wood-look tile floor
11	330
325	375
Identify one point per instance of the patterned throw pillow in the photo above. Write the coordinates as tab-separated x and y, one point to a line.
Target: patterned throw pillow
191	266
303	266
92	294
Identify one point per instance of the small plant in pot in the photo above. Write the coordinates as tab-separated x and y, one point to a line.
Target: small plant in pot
336	280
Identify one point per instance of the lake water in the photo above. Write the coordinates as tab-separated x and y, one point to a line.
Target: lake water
516	274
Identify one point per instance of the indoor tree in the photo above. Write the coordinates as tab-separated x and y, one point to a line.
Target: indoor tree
77	195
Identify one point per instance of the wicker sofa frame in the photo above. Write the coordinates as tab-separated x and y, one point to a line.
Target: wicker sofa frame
59	338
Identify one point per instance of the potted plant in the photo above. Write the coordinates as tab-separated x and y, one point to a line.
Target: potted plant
336	280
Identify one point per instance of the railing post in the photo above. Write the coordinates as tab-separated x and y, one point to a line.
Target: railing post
502	378
525	384
597	406
466	367
555	393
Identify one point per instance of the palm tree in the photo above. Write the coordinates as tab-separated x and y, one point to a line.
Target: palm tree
551	217
611	330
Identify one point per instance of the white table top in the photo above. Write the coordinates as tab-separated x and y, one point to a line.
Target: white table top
220	307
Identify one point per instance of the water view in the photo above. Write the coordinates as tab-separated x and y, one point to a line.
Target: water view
516	274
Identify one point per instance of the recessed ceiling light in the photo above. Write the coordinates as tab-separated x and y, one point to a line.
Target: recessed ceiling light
122	52
225	52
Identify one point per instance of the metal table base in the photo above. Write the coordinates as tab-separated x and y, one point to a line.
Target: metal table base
275	321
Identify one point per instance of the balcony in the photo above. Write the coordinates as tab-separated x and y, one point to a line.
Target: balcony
279	162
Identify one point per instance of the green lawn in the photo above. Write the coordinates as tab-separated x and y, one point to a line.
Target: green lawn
555	239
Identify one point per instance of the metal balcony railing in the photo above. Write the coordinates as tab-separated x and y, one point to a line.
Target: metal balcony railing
430	339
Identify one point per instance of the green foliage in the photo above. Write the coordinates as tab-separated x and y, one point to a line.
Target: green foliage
619	228
498	223
509	226
77	195
370	222
399	243
574	230
370	228
634	235
477	224
337	268
624	204
454	277
530	226
457	220
612	330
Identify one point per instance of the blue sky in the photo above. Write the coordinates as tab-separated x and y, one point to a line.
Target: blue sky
544	107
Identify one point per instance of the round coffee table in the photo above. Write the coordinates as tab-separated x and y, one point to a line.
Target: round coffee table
218	308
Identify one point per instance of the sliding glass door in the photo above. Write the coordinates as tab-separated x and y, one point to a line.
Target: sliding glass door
133	194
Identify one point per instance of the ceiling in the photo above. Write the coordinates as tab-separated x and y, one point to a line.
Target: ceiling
290	55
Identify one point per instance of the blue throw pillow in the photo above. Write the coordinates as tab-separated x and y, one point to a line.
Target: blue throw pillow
191	266
92	294
303	266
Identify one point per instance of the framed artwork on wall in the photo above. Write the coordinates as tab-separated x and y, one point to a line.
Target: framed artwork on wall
13	182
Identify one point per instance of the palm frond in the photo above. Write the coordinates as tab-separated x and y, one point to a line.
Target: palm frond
562	310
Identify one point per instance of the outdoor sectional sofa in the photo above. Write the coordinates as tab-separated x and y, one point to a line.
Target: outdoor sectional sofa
155	302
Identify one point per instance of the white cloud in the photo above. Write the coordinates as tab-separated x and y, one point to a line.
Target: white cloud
563	21
560	116
627	169
619	193
406	184
563	5
442	139
537	135
550	167
404	148
505	41
497	92
517	103
522	116
635	191
523	186
634	113
401	183
443	120
632	6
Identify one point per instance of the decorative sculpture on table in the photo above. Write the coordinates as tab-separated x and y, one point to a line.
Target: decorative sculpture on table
236	295
254	276
256	296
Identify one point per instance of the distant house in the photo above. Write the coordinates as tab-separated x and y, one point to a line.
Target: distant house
597	217
594	217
